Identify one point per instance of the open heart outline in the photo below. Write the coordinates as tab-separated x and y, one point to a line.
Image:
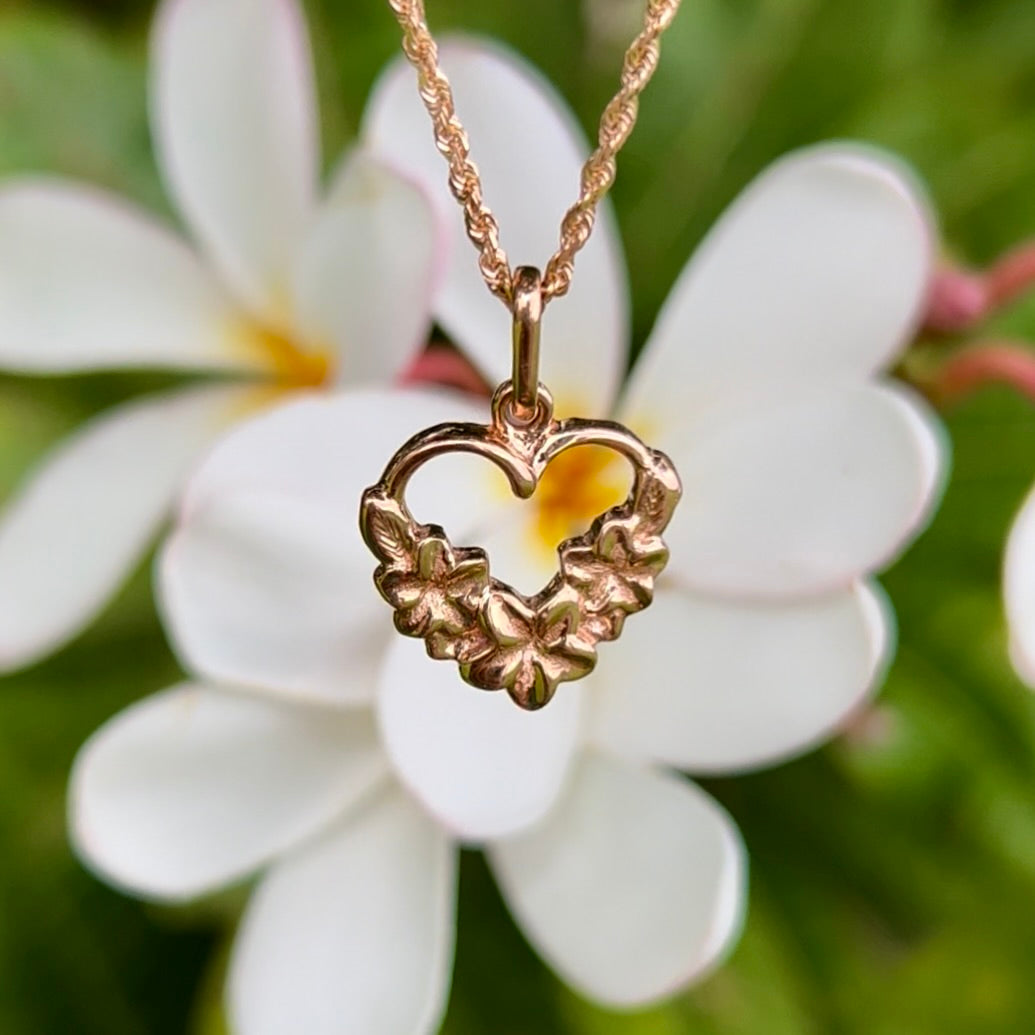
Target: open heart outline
500	638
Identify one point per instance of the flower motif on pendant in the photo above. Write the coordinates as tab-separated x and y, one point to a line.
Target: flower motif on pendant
535	648
616	572
441	593
436	589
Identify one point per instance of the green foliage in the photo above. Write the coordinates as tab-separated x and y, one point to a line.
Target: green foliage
76	957
73	104
893	884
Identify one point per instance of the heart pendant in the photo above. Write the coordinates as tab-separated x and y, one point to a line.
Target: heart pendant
501	639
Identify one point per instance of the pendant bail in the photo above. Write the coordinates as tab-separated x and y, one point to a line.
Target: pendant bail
528	311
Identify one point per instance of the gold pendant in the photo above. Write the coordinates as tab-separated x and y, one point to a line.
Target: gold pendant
501	639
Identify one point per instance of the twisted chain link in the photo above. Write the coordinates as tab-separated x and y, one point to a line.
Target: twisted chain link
598	174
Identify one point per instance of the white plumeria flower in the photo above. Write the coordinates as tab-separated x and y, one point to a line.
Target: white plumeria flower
1019	588
319	748
280	289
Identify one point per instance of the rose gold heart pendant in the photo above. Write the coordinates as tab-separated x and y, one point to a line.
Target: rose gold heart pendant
501	639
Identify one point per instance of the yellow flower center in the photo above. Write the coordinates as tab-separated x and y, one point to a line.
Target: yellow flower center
293	366
285	364
578	486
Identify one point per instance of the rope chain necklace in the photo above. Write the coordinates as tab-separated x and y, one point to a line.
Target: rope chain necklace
445	595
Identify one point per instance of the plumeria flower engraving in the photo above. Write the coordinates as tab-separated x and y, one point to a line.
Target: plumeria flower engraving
315	746
536	648
436	590
441	592
616	572
1019	589
278	288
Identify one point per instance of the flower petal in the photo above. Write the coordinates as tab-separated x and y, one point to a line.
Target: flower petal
266	591
357	288
234	117
479	764
631	887
266	582
88	513
820	268
353	933
712	686
327	450
193	788
87	282
1019	590
804	492
529	153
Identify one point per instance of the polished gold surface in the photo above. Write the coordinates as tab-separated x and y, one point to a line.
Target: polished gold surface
501	639
616	123
528	311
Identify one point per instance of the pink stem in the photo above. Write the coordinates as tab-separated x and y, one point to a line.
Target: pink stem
1012	275
439	365
959	299
988	363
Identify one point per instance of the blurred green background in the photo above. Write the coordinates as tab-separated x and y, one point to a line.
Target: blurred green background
893	884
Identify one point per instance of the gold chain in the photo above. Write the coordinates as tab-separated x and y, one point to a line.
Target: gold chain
616	123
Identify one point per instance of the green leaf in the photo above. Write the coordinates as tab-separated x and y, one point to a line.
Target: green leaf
73	103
